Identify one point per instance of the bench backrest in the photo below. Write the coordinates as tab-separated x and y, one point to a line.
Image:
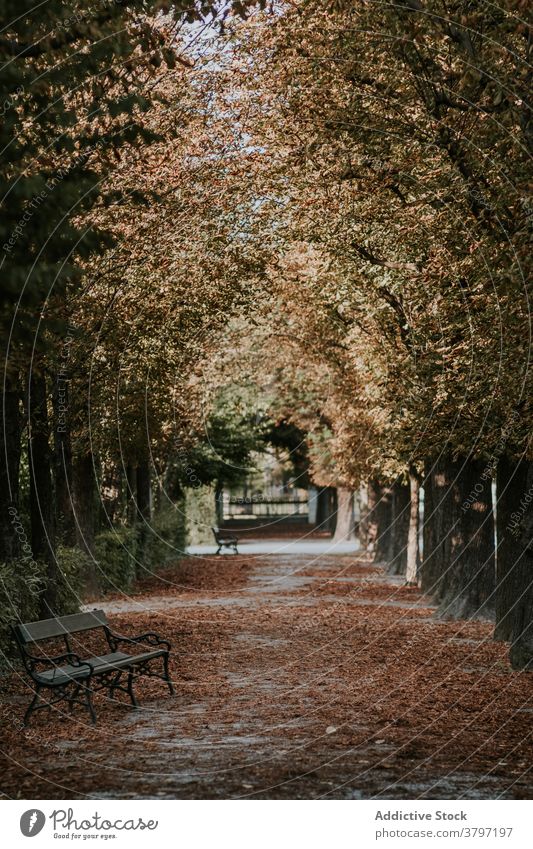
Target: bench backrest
216	532
32	632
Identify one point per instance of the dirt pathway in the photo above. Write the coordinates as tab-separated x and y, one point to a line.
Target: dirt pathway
296	677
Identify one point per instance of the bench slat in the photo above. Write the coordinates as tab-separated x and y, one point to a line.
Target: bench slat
106	663
31	632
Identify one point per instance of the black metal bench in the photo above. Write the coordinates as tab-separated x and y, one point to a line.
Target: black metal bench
74	679
224	540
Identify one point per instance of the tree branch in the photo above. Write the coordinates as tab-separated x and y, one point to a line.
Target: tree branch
370	257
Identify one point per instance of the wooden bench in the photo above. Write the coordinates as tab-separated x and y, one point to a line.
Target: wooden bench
74	679
224	540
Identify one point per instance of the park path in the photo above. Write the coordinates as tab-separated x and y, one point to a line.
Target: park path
298	675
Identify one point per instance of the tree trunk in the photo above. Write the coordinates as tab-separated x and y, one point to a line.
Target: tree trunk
143	499
362	525
85	497
110	495
511	485
458	566
10	446
521	651
219	504
63	465
41	496
345	527
332	502
413	555
438	522
371	518
383	511
143	505
399	528
326	509
470	583
321	509
131	487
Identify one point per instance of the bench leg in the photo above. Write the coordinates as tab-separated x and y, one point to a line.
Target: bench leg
114	685
131	694
89	701
167	675
71	699
31	707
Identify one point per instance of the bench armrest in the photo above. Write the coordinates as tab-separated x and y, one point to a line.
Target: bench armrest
73	658
150	638
70	657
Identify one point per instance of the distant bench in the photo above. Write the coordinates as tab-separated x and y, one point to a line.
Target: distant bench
74	679
224	540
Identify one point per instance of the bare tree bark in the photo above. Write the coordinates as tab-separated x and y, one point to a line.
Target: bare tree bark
362	526
413	555
345	527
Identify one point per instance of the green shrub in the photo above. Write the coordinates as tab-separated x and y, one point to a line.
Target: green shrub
21	583
115	553
200	511
164	541
73	565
